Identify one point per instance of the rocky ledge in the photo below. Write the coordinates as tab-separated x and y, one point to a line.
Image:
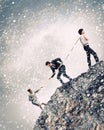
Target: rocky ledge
77	105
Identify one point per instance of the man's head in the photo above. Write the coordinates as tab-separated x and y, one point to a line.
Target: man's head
48	63
81	31
29	90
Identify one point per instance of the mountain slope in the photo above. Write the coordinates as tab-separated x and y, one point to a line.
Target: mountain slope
78	105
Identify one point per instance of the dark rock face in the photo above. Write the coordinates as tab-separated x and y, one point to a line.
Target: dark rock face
78	105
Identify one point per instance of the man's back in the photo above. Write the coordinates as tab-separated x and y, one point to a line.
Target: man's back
56	63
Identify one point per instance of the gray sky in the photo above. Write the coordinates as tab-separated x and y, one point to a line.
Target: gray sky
33	31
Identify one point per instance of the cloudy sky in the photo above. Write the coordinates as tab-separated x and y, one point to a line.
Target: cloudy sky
32	32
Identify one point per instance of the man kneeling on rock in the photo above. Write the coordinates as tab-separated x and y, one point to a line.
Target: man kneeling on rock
33	98
57	64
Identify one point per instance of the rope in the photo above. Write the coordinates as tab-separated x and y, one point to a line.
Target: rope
72	48
69	53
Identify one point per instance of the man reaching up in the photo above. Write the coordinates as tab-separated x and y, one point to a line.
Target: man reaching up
33	98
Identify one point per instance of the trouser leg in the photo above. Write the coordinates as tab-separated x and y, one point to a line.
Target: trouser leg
58	77
65	75
94	54
63	71
37	103
41	107
88	59
86	48
43	103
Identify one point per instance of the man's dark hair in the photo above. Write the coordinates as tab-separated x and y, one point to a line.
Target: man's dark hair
29	90
80	31
47	63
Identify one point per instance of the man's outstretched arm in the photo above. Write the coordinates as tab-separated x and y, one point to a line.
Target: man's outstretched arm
38	90
53	75
53	70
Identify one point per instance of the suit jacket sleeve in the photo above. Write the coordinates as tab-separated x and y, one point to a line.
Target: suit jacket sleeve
53	70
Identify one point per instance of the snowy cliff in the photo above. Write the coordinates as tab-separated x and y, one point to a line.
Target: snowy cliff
78	105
